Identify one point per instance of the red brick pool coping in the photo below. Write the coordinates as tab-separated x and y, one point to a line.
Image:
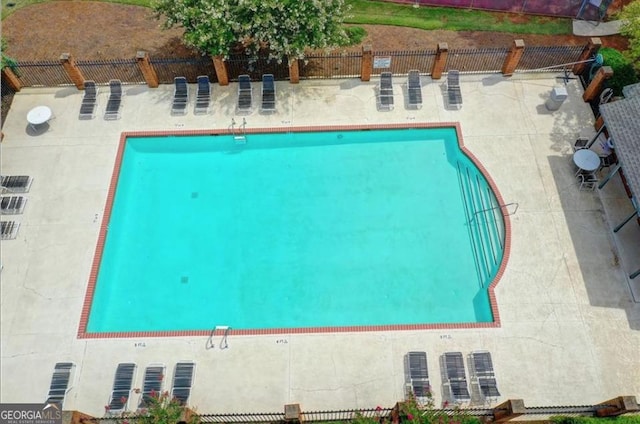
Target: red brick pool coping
97	257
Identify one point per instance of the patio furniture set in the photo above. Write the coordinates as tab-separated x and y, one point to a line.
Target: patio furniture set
588	163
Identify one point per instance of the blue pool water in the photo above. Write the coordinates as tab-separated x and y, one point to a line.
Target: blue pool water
291	230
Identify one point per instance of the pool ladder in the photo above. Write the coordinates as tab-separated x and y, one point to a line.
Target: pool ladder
241	136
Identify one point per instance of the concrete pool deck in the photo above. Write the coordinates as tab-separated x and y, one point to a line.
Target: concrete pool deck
570	329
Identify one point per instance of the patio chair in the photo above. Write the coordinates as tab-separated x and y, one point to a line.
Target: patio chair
114	102
151	384
203	95
89	100
414	89
456	378
12	205
9	230
245	93
180	96
587	181
182	381
580	143
483	374
607	161
385	91
268	93
417	375
15	183
454	94
59	386
122	385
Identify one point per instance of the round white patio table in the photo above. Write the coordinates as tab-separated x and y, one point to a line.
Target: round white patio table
38	115
586	159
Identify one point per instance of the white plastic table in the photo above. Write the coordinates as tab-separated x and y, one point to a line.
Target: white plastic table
586	159
38	115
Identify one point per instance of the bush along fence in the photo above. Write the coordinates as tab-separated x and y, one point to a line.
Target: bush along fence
407	412
364	64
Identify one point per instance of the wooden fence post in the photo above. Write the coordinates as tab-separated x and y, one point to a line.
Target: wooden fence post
293	413
508	410
513	58
72	70
589	51
11	79
147	70
595	86
294	71
78	417
618	406
221	70
440	61
366	67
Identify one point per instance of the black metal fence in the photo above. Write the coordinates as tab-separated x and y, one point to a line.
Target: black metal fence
320	66
536	414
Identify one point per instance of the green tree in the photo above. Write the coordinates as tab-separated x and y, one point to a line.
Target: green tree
630	17
286	27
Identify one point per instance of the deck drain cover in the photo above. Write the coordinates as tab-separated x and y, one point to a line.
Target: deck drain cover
184	279
194	194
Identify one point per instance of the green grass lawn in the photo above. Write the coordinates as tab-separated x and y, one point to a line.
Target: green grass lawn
383	13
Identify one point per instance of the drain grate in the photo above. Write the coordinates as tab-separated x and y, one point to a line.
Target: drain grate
194	194
184	279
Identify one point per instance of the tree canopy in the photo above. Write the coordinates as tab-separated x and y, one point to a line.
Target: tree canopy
630	17
286	27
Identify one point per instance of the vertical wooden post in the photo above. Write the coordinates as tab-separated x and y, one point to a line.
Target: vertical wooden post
78	417
221	70
72	70
366	67
440	63
508	410
595	86
589	51
11	79
147	70
513	58
618	406
294	71
293	413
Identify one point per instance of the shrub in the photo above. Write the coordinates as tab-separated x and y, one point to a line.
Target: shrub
623	72
356	34
622	419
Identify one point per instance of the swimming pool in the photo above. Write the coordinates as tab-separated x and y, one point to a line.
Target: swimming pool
304	230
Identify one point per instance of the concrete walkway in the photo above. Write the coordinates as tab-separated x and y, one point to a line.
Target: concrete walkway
595	28
570	331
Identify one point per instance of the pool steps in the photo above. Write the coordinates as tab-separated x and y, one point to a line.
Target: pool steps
485	222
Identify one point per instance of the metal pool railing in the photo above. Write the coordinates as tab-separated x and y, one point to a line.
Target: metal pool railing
485	222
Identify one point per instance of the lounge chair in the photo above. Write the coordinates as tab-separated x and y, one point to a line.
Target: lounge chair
89	101
268	93
484	375
15	183
9	230
385	92
414	89
203	95
245	94
456	378
59	386
180	96
114	102
417	375
152	384
182	381
12	205
454	94
122	384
